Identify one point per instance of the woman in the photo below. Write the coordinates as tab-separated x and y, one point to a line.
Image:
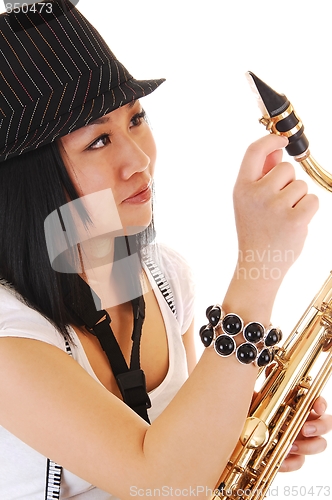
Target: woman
77	161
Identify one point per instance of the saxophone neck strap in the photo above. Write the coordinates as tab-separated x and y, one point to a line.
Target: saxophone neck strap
130	379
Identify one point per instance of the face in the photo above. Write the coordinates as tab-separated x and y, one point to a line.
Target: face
115	152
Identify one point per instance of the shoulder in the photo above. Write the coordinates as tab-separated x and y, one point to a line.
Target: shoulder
174	266
17	319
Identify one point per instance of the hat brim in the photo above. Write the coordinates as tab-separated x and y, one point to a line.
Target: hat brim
81	116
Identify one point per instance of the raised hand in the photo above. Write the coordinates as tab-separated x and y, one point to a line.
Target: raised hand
272	210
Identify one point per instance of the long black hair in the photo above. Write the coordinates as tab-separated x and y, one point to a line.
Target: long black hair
32	186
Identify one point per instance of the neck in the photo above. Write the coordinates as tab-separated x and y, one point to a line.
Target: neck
96	256
114	282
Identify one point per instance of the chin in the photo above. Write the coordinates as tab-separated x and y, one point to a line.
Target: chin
130	230
138	222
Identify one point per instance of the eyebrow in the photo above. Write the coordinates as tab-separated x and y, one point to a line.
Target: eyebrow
105	119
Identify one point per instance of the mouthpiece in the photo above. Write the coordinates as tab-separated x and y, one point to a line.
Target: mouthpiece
279	116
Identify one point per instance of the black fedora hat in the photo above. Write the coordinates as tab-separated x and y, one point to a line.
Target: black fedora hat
57	74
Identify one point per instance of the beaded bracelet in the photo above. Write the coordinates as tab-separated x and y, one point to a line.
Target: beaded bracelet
259	342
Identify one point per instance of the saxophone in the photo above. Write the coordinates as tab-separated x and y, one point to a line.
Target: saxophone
287	395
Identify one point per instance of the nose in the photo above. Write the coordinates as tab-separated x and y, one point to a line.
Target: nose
132	157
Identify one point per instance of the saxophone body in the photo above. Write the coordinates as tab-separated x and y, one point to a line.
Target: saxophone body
302	365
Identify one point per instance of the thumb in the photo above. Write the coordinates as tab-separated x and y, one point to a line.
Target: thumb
258	157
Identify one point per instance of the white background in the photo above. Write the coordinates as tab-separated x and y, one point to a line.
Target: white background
205	116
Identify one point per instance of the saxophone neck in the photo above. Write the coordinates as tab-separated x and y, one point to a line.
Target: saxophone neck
314	170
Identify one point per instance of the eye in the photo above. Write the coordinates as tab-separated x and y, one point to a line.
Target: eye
138	118
100	142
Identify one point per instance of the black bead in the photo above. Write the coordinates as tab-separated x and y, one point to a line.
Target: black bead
264	358
246	353
224	345
253	332
208	309
273	337
213	315
232	324
206	333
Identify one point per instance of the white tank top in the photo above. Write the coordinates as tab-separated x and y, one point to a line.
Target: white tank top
22	469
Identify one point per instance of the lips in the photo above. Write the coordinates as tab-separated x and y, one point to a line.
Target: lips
142	195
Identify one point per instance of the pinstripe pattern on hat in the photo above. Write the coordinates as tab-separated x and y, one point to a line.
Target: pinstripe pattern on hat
55	77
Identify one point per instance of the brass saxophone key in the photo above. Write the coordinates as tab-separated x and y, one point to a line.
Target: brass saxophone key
255	433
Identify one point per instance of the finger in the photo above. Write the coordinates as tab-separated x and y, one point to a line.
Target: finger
292	463
313	416
272	160
320	406
294	192
279	177
317	427
308	206
254	159
309	446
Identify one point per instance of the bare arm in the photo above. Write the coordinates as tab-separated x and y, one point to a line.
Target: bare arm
188	340
91	426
